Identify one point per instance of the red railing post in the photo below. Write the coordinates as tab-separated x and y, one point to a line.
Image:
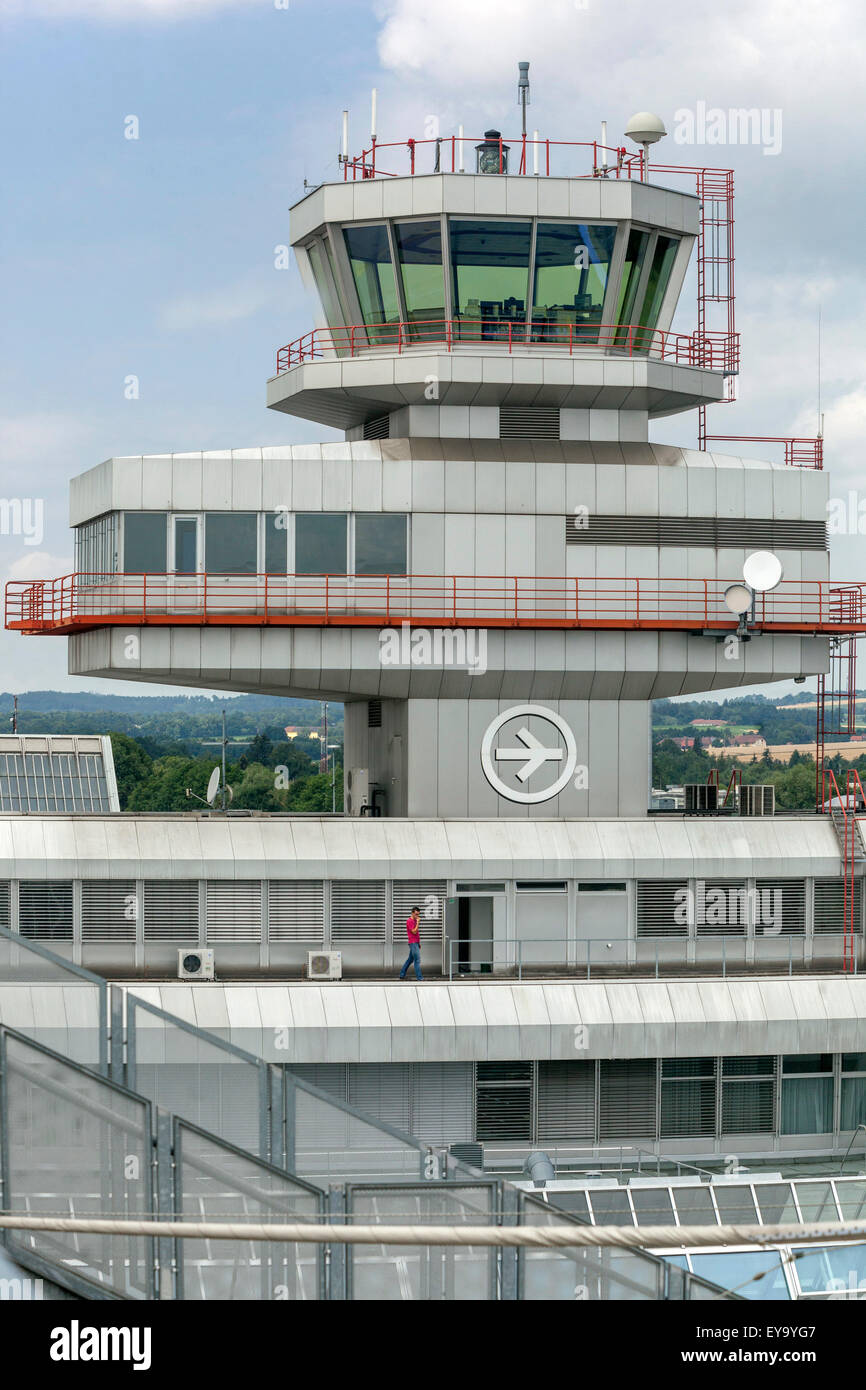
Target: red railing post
266	598
388	599
516	601
204	596
576	601
637	600
144	598
706	604
454	599
327	596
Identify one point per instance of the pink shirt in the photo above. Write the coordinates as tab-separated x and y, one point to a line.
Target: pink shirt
412	931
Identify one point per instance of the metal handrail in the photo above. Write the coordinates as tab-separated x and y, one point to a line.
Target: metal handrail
503	951
714	350
89	600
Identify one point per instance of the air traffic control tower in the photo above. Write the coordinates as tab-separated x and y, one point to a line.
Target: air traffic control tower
497	572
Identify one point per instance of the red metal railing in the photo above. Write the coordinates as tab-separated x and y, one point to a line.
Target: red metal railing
799	453
79	601
448	154
843	811
716	351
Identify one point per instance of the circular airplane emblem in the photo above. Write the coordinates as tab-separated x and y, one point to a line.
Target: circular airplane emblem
529	752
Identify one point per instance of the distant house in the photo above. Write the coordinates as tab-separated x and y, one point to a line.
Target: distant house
683	742
291	732
747	741
707	723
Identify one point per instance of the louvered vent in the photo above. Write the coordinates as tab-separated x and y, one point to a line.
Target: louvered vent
722	909
718	532
331	1077
109	910
688	1097
357	912
170	911
296	911
378	428
516	423
748	1095
382	1091
5	911
659	911
780	907
503	1101
566	1101
45	911
627	1099
234	911
829	912
374	714
429	896
442	1101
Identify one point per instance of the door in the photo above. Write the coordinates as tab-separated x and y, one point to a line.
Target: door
184	552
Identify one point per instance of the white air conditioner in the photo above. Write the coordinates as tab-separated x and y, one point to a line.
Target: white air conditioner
193	963
324	965
357	790
759	799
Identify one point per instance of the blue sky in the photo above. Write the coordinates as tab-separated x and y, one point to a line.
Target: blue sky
155	257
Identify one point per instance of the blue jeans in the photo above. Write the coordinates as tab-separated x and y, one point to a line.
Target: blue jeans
414	958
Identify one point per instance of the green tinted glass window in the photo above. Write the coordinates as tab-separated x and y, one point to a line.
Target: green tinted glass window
659	277
370	257
631	273
231	542
144	535
380	544
490	271
419	253
320	543
326	285
572	261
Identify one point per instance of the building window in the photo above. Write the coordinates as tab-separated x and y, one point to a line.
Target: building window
231	543
320	543
807	1094
370	259
326	283
688	1101
572	261
853	1110
659	277
380	544
144	539
490	270
419	252
96	548
276	536
503	1101
185	556
631	273
748	1095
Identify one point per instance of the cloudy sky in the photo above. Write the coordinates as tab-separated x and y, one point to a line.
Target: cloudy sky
154	257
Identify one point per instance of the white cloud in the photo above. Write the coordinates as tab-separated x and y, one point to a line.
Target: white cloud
39	565
224	305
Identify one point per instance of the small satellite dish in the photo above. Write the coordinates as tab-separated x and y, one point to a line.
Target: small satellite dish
738	597
762	571
213	787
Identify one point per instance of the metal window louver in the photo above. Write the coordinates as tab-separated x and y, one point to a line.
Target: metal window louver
170	911
727	915
45	910
378	428
627	1108
296	911
330	1077
442	1101
374	714
357	911
659	911
429	896
829	906
382	1091
109	910
503	1101
530	423
748	1095
781	907
5	905
233	911
566	1101
718	533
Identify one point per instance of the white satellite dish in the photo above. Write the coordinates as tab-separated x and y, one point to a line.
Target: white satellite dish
738	598
762	571
213	787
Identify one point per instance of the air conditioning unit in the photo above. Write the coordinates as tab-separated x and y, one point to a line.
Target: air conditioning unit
324	965
758	800
701	797
193	963
357	790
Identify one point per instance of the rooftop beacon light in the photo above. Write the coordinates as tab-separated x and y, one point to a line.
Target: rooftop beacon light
487	154
645	129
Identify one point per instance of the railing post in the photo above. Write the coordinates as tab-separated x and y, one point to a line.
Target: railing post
576	600
454	599
204	596
516	600
327	596
388	599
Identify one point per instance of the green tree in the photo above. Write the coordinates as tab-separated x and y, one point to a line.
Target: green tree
132	766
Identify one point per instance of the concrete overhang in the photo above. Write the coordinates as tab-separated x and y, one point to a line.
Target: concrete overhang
346	392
